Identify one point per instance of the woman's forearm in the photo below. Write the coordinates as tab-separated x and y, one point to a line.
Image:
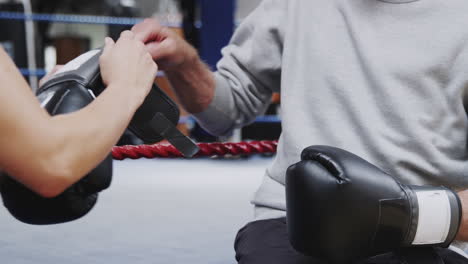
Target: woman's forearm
85	138
48	154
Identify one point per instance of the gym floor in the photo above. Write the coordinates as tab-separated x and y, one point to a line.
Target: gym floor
156	211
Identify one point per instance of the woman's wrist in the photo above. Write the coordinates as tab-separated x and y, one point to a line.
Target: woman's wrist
130	95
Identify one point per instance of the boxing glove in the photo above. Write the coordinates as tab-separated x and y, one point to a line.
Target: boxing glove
77	200
154	120
341	208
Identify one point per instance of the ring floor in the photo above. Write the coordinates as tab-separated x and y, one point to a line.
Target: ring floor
156	211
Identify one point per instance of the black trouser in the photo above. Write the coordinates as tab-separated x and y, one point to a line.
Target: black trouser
266	242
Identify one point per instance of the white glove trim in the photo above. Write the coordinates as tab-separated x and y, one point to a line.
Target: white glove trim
433	218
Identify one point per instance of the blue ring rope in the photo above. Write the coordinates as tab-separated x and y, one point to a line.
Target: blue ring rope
266	119
42	72
78	19
27	72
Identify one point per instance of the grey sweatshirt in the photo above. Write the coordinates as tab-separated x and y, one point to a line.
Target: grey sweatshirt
385	80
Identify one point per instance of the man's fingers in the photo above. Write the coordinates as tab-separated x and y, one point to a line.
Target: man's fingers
150	31
147	30
160	50
148	22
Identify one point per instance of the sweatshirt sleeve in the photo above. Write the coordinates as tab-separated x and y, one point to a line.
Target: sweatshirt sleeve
249	71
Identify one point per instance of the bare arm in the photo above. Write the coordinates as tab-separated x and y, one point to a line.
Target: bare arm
194	84
463	230
48	154
246	77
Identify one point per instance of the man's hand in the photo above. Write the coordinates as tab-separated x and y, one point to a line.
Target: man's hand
169	50
189	76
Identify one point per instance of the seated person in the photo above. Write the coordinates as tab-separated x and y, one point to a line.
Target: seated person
384	79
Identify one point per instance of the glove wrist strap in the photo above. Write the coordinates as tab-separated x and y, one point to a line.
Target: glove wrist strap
438	216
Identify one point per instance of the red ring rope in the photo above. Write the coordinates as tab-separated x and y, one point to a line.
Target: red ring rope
166	150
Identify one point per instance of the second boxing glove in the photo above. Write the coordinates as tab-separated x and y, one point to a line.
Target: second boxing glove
342	208
78	199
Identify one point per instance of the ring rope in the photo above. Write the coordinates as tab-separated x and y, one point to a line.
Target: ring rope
265	119
78	19
166	150
43	72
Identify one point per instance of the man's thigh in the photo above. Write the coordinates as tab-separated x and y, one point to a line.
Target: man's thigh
266	241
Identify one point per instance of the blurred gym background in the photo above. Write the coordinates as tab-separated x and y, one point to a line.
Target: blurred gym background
38	34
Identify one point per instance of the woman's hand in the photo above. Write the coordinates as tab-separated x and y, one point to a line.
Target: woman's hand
50	74
128	65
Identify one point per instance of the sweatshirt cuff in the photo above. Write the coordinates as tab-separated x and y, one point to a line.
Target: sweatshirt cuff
216	118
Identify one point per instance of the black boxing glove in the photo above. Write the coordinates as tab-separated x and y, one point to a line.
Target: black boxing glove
80	198
342	208
157	117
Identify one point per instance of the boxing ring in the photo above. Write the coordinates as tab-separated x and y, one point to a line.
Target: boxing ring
156	211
